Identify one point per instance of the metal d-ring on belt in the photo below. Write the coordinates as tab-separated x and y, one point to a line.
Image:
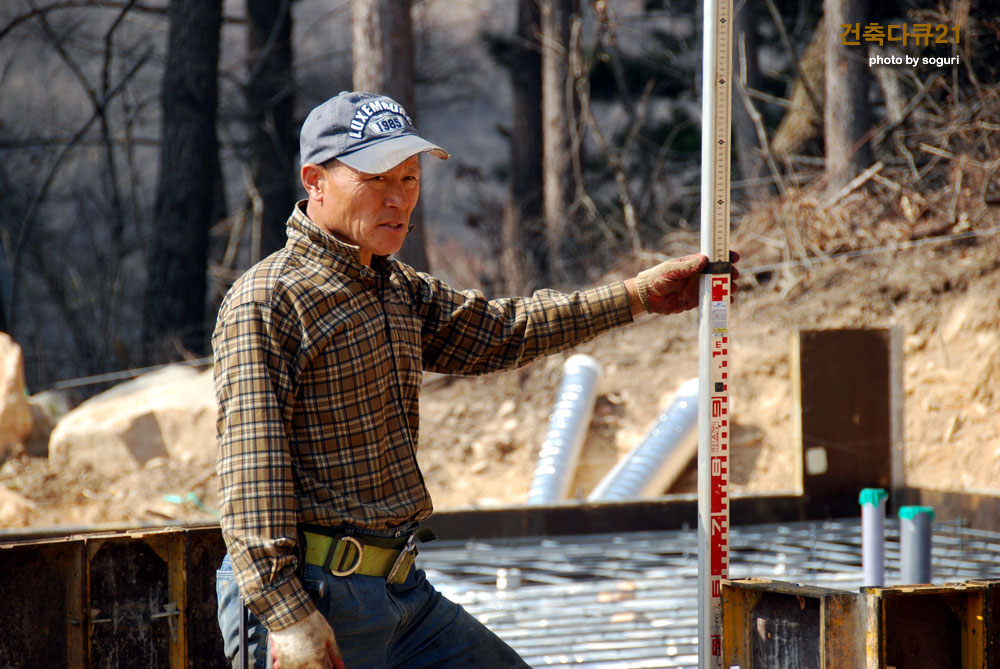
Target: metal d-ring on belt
345	554
328	563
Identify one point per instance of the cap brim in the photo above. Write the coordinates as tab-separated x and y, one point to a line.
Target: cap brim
384	155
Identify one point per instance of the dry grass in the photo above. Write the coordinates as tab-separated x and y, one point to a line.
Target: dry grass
939	177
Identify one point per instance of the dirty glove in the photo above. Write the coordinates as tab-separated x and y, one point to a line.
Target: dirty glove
306	644
672	286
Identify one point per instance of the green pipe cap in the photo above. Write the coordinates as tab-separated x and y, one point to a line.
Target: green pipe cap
911	512
873	496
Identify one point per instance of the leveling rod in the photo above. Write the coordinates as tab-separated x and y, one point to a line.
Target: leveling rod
713	331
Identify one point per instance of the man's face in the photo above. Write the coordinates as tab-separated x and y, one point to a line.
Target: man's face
371	211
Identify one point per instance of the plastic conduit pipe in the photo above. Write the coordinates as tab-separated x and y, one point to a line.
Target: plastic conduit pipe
568	422
645	470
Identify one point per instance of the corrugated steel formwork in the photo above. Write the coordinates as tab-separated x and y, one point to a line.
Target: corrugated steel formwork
135	600
43	618
772	624
142	599
775	624
623	600
992	623
205	549
934	626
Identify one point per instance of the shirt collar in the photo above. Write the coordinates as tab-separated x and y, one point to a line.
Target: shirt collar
311	241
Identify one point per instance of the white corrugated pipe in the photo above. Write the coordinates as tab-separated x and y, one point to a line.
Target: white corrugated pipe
648	468
568	424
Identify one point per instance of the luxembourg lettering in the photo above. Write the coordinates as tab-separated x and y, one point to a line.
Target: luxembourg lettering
392	122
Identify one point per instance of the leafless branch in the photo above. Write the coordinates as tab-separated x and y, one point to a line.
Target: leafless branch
613	158
758	121
26	222
36	12
780	25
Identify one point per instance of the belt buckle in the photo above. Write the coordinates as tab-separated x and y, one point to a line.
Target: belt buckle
333	547
409	547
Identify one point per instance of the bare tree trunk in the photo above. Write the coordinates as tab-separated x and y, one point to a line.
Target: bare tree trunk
3	316
556	117
270	100
803	120
847	116
175	306
525	257
382	46
749	158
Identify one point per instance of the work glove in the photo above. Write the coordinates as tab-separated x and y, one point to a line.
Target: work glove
672	286
306	644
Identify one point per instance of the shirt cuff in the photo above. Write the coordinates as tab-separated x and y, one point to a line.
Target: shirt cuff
283	605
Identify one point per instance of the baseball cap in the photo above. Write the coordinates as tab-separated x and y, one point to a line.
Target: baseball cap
371	133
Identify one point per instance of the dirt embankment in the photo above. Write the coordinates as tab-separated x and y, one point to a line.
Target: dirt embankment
480	437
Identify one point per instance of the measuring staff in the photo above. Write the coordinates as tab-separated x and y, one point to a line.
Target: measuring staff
714	419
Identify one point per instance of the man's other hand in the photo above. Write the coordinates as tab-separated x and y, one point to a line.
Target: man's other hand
307	644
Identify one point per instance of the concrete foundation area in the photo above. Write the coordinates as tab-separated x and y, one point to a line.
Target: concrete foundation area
598	584
622	596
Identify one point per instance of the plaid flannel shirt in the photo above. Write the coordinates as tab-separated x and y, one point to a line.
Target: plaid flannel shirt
318	365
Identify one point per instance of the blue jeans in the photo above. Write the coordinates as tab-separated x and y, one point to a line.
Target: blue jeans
409	625
230	610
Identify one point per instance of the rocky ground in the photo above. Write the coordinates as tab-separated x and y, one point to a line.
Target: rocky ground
480	436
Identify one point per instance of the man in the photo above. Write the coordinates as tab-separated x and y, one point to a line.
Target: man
319	352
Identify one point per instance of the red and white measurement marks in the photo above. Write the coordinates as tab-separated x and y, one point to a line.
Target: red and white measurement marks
719	427
713	496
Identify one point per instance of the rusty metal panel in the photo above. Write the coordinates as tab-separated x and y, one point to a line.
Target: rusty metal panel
135	594
773	624
992	622
844	391
205	549
933	626
770	624
786	631
42	617
137	599
848	629
738	599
